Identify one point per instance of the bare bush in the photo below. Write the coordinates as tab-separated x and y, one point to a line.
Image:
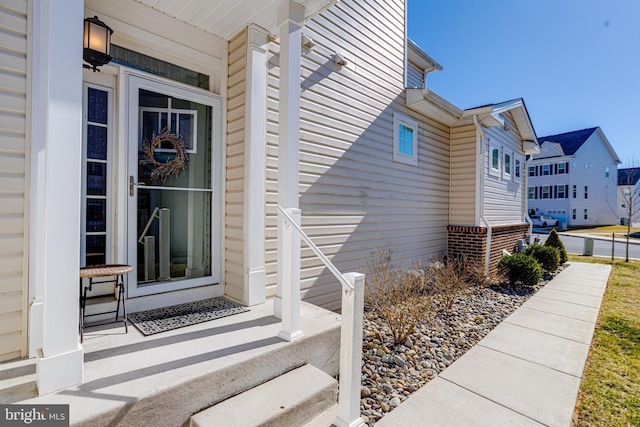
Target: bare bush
449	277
401	298
482	278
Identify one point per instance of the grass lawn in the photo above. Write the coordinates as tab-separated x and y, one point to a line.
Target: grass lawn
610	390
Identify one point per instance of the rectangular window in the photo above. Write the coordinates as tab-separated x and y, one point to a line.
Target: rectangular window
606	172
586	192
405	139
95	227
562	168
531	191
494	160
545	192
561	193
574	214
575	191
532	171
517	169
173	120
586	214
546	169
507	165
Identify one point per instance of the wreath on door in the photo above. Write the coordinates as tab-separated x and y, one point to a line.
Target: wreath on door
160	171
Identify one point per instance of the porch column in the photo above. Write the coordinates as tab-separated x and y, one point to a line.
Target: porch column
255	153
56	146
290	21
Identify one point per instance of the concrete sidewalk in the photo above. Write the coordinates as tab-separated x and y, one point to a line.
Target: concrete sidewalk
527	371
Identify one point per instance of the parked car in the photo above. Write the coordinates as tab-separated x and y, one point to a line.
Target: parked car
544	221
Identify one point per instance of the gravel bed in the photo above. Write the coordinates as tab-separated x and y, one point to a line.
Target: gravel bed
391	373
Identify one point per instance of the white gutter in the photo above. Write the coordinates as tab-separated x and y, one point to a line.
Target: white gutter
525	195
480	138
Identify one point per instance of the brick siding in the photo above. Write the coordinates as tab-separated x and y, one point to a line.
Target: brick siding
472	241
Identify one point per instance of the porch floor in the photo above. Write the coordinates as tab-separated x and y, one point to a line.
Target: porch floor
163	379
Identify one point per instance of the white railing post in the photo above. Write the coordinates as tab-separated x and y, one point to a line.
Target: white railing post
290	276
351	353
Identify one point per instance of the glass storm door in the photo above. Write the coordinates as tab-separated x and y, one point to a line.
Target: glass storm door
173	166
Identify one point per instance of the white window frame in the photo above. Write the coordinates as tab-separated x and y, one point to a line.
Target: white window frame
110	173
402	120
169	111
531	170
574	214
563	186
507	173
586	214
517	168
492	170
606	171
548	192
531	193
548	169
562	165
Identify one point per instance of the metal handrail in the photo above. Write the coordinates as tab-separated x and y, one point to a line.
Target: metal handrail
345	283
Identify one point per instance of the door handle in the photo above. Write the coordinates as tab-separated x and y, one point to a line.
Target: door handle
132	184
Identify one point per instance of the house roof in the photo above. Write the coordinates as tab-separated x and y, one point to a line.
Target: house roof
433	105
569	141
421	58
629	176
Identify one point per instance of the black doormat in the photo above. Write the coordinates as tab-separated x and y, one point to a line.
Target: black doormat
176	316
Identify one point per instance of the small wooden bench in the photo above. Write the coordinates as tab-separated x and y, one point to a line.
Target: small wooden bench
104	270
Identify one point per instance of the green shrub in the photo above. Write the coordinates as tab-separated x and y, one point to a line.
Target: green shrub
554	241
521	269
547	256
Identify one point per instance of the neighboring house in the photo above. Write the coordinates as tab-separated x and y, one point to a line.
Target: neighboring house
574	178
300	104
629	196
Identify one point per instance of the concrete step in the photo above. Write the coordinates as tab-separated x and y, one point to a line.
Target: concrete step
163	379
325	419
292	399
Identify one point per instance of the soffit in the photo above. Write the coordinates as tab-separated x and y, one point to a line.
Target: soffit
226	18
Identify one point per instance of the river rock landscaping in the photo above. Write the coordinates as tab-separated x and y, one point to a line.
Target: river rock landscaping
391	373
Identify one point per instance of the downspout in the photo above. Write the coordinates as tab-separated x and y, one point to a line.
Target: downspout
525	196
480	138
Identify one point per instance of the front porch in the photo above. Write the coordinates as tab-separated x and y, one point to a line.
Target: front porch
163	379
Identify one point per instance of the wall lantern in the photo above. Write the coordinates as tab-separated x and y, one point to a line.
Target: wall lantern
97	43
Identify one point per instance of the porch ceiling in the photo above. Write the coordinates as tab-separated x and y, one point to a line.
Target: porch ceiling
226	18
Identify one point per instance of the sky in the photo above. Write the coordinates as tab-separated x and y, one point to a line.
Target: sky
576	63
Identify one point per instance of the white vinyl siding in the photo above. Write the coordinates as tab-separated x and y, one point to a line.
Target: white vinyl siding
463	176
355	199
13	161
234	209
597	156
415	77
503	197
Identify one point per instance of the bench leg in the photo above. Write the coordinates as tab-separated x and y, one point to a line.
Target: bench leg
120	285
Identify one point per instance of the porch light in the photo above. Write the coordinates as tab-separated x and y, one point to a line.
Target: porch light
97	43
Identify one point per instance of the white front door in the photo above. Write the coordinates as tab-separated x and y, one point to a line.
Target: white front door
173	204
